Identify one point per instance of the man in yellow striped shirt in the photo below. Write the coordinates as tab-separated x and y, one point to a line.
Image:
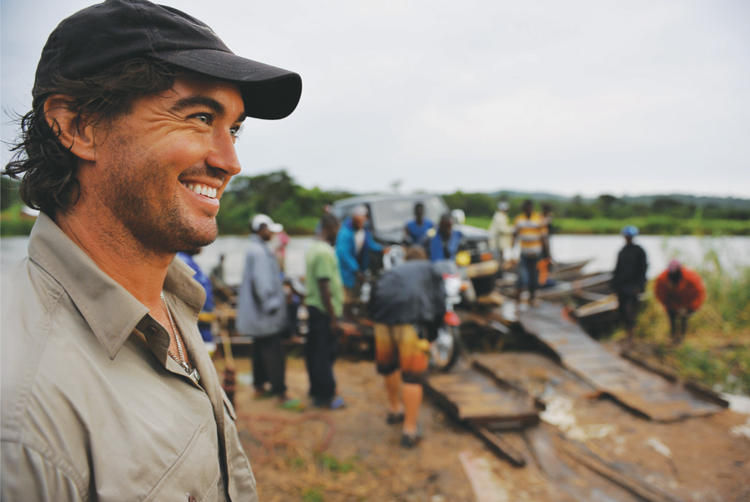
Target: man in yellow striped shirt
530	230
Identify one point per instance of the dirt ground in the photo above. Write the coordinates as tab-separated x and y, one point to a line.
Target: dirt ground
353	455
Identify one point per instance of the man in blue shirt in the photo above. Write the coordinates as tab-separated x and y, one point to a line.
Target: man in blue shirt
417	228
443	244
353	245
204	321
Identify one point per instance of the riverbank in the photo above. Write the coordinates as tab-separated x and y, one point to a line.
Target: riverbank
14	222
716	350
648	225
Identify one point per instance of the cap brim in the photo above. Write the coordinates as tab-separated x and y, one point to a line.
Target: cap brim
276	227
267	91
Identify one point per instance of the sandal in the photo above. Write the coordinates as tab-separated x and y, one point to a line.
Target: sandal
334	404
394	418
411	440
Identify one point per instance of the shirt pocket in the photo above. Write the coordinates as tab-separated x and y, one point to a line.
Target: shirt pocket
241	482
194	477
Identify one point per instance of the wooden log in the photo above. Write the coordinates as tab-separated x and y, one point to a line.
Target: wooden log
501	447
639	487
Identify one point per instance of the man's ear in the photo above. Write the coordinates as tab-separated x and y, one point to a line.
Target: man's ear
74	134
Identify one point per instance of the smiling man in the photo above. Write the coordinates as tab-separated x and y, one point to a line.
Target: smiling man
107	390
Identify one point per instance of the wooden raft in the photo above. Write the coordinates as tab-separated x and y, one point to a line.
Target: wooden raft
634	387
471	396
486	406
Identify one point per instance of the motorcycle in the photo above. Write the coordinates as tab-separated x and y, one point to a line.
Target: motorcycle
445	347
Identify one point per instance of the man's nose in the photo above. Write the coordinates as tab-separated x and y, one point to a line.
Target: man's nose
223	154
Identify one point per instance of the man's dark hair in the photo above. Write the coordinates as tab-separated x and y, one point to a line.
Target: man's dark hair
46	167
418	205
415	253
328	221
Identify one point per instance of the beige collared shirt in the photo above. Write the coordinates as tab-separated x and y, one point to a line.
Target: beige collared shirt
93	408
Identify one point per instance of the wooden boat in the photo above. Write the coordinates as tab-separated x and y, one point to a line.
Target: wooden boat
588	288
568	271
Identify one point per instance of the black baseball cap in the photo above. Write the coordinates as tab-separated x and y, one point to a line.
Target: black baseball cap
100	36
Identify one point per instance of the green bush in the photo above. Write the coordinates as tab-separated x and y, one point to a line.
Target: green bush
13	222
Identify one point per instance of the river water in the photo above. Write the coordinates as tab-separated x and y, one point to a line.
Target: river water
732	252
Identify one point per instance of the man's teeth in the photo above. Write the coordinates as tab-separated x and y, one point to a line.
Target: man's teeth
201	189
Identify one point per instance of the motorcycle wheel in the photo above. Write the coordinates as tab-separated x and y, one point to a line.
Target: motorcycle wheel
444	350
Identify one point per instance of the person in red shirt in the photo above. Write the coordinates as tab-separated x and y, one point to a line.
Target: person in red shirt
682	292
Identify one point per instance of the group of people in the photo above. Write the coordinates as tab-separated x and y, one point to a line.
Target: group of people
439	243
108	392
406	295
678	288
263	313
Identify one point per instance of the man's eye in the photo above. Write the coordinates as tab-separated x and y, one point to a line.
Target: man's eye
235	133
206	118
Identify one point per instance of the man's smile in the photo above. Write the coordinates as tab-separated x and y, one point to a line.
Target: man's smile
201	189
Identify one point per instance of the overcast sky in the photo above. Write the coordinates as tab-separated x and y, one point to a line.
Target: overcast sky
572	97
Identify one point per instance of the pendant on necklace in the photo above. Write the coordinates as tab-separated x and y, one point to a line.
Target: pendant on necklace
194	374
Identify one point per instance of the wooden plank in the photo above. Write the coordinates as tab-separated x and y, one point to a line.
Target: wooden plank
704	392
471	396
484	483
500	446
545	455
639	487
635	387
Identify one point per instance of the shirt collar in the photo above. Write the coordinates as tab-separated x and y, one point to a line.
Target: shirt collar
108	308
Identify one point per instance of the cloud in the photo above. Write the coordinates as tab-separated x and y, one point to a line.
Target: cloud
578	95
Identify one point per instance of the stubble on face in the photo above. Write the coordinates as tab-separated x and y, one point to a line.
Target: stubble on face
144	199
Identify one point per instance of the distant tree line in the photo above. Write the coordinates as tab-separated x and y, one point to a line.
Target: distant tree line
277	195
605	206
298	208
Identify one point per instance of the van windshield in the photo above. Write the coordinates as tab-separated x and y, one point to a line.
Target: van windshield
394	214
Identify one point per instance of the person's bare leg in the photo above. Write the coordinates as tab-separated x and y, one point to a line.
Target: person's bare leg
412	401
392	385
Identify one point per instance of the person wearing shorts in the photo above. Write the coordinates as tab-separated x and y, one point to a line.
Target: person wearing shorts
407	295
401	356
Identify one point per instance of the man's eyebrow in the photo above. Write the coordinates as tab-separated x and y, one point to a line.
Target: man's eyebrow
211	103
192	101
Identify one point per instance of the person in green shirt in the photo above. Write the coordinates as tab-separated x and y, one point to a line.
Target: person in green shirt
325	304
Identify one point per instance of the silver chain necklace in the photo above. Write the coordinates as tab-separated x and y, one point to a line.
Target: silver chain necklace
181	361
